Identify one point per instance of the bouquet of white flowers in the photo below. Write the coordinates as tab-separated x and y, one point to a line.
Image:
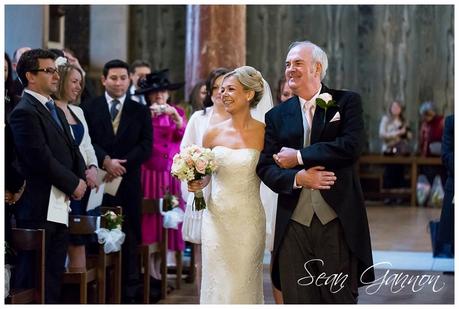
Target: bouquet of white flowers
112	237
193	163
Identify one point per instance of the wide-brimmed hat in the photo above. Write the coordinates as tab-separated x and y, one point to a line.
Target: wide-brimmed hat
157	81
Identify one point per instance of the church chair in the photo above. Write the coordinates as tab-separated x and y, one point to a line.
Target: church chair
82	225
30	240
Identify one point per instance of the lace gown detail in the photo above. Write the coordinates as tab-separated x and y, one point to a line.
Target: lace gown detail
233	231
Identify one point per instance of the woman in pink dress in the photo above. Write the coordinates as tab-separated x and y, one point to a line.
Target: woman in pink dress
169	124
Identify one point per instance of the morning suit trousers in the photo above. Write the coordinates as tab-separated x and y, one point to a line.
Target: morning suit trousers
316	265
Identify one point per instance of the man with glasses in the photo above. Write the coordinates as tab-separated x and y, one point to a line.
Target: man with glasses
48	158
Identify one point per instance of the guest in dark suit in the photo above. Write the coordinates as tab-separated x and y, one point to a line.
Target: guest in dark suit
328	225
446	227
14	181
48	156
121	134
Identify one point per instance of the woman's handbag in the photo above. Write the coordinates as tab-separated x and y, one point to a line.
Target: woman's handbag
192	222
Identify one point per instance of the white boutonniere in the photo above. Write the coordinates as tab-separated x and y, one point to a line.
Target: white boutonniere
324	101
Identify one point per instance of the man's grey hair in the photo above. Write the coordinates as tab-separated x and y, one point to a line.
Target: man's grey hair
318	55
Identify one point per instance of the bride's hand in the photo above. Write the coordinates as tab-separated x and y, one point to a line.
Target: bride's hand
197	185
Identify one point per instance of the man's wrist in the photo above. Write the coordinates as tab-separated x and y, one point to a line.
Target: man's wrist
106	159
295	183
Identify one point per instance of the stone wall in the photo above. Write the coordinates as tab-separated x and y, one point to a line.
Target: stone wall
383	52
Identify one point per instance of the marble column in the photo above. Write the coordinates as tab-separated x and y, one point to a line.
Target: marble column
215	37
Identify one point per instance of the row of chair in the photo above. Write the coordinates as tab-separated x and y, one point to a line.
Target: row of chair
97	266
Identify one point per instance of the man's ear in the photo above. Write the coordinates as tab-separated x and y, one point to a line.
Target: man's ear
318	68
102	80
30	77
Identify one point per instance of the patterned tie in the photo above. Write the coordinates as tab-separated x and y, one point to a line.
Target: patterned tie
52	108
114	109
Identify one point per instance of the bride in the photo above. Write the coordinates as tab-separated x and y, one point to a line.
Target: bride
233	227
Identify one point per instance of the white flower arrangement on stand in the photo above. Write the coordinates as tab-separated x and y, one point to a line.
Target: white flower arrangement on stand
112	237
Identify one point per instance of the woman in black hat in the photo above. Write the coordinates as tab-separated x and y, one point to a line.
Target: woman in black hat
169	124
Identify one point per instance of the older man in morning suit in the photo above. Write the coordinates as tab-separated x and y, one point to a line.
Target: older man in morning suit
48	156
318	232
121	134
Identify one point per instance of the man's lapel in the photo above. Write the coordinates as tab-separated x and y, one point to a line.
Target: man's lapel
47	115
294	123
318	122
106	118
126	117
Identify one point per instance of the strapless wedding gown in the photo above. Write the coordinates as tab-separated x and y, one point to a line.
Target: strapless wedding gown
233	231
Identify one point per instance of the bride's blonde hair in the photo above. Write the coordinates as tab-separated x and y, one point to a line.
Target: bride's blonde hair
250	79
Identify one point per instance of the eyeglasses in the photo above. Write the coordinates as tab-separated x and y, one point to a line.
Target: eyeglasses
50	71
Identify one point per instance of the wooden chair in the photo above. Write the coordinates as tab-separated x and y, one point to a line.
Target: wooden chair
109	261
30	240
153	206
82	225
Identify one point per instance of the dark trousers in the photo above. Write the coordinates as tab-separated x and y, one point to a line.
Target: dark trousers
56	244
316	265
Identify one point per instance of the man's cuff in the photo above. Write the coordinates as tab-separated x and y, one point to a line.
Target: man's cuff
295	186
299	158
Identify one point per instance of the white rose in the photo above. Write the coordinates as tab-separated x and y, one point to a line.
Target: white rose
325	96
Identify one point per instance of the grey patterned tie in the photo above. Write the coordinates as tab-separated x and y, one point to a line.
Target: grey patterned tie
114	109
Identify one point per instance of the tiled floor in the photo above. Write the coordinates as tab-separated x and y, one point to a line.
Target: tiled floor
399	236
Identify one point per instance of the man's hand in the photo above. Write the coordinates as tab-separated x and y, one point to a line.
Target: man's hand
12	198
315	178
115	167
197	185
80	190
286	158
91	177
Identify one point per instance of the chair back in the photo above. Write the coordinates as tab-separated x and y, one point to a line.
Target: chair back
83	225
30	240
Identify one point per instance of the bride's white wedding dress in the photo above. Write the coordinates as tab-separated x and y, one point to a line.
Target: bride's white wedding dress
233	231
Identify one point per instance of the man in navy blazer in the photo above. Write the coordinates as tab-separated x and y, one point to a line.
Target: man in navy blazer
48	156
321	231
121	133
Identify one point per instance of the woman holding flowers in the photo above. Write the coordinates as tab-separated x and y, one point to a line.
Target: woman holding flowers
233	227
169	124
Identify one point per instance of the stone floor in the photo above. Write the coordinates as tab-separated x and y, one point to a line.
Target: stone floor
399	235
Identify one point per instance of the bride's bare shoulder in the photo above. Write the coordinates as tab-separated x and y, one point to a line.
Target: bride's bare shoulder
258	125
